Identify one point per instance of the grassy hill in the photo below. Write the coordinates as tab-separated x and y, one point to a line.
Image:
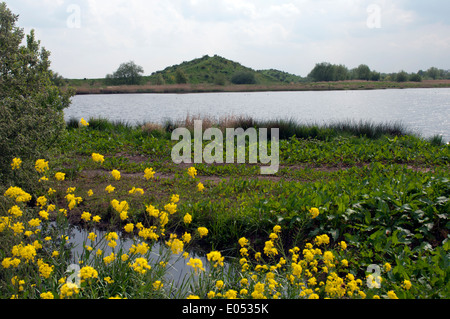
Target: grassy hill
215	70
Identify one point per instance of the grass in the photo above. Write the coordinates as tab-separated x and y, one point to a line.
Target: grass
381	191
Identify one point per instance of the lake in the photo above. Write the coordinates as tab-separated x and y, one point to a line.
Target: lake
424	111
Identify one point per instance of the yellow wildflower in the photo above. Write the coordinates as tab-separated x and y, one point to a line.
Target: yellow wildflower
141	265
16	162
175	245
216	257
60	176
211	294
120	206
175	198
243	241
171	208
110	189
15	211
41	166
98	158
187	219
269	249
158	285
92	236
108	259
203	231
277	229
129	228
41	201
87	273
46	295
192	172
163	219
391	294
197	264
45	270
68	290
18	228
83	122
231	294
116	174
219	284
19	195
322	239
187	238
407	284
387	267
86	216
314	212
135	190
200	187
149	173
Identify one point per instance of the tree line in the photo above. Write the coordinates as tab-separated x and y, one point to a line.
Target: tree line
327	72
131	74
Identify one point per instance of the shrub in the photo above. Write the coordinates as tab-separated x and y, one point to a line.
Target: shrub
243	77
30	105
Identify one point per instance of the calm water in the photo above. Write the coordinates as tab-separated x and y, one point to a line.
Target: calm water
177	270
424	111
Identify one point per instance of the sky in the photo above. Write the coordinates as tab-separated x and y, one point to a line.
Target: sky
91	38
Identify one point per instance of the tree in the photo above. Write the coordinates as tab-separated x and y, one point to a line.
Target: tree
433	73
128	73
340	72
415	77
363	72
401	76
31	106
323	72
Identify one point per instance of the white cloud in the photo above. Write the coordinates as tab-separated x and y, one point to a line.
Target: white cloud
290	35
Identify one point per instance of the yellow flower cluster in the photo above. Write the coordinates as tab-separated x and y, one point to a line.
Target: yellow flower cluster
192	172
41	166
18	194
140	265
203	231
197	264
314	212
98	158
175	244
116	174
216	257
149	173
16	162
83	122
87	273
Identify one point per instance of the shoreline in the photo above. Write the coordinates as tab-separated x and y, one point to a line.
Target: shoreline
298	87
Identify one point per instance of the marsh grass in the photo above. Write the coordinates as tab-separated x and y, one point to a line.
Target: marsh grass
288	128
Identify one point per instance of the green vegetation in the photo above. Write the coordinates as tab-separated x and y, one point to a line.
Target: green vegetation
217	74
30	105
210	70
357	209
383	193
127	74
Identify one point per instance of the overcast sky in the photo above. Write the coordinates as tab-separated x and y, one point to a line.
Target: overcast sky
90	38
